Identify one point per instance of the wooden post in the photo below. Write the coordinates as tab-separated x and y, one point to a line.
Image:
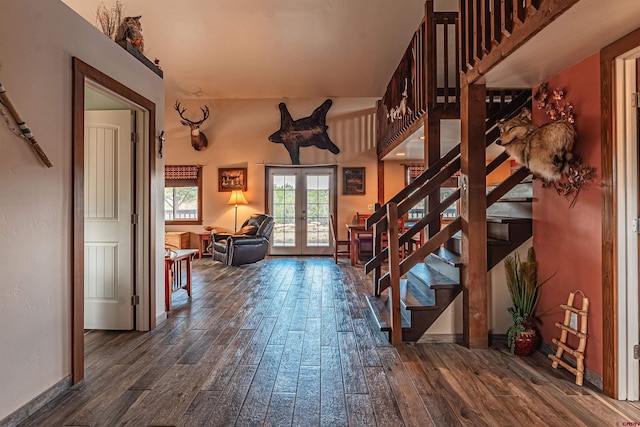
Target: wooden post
394	274
431	126
474	215
377	248
380	182
429	58
431	155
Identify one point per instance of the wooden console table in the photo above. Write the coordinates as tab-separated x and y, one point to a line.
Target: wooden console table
174	263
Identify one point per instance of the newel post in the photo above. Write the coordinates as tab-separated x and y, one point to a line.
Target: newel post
474	215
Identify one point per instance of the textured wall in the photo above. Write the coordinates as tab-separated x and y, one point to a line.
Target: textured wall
569	240
237	131
36	202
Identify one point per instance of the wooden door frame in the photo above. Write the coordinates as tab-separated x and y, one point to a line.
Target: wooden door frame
81	72
609	119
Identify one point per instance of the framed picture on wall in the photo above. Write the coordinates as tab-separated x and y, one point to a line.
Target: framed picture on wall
230	179
353	182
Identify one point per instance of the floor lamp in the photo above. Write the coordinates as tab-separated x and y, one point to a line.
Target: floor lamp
237	198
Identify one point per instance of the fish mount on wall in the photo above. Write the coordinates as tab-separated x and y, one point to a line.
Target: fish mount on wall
304	132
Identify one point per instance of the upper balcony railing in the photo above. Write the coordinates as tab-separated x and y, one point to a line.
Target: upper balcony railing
426	78
491	30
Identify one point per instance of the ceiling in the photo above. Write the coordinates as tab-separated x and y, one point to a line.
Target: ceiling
217	49
278	49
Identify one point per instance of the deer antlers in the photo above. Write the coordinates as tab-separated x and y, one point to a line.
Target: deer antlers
205	113
198	139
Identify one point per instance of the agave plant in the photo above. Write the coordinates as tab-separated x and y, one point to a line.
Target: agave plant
523	285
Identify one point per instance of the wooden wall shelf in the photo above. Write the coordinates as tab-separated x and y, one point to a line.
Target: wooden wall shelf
135	52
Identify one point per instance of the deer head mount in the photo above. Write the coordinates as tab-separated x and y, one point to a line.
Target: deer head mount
198	139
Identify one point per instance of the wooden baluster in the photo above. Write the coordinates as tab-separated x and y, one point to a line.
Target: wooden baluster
486	26
445	50
477	30
467	28
377	248
457	33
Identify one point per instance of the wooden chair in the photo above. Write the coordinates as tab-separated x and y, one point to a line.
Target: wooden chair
361	219
416	241
363	240
404	250
341	248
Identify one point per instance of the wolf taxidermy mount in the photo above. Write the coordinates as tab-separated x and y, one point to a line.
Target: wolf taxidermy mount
546	150
198	139
130	30
304	132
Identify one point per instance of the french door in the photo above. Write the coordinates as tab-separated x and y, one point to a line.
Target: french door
300	200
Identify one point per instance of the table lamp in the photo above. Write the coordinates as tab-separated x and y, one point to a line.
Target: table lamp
237	198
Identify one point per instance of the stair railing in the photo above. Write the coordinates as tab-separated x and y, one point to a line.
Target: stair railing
385	219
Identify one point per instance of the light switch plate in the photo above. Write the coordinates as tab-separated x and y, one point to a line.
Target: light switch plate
573	321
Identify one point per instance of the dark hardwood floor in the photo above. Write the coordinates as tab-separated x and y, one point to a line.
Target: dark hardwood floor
290	342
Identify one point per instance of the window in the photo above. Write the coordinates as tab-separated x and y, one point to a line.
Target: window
183	195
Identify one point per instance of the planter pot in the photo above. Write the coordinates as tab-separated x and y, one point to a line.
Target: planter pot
526	343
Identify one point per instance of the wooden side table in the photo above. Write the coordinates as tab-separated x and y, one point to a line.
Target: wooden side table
174	264
204	239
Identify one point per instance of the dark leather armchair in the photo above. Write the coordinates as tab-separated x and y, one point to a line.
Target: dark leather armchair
249	244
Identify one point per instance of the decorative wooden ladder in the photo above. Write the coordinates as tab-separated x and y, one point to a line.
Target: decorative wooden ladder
567	328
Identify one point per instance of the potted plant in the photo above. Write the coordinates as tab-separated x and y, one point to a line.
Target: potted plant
523	285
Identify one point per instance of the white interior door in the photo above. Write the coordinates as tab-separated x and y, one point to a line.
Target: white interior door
627	174
108	208
300	200
634	388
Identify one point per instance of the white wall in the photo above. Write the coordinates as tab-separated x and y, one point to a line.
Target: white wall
37	41
238	132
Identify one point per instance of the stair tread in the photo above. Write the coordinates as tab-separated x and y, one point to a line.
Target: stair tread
417	297
431	277
380	311
507	219
490	241
515	199
448	256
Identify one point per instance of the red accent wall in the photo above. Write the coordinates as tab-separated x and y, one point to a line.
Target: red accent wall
569	240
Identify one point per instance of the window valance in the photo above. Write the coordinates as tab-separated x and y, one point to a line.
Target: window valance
181	176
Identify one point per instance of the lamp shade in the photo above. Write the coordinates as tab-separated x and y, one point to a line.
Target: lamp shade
237	198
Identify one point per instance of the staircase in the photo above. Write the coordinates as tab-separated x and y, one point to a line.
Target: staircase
428	280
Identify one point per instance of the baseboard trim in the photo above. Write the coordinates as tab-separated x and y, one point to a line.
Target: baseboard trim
36	403
440	339
590	376
494	339
161	318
